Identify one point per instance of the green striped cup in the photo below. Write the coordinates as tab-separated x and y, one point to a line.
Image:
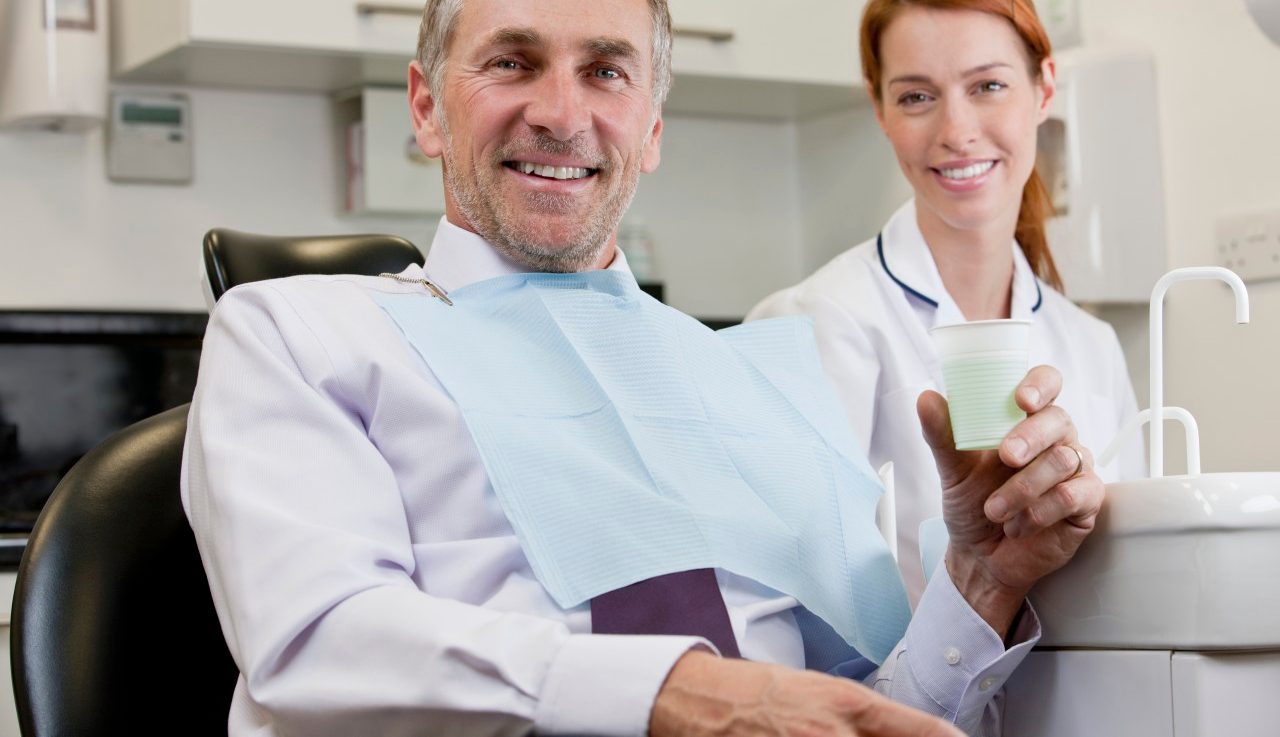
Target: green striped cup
982	364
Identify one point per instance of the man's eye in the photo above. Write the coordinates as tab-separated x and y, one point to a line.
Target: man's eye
507	64
607	73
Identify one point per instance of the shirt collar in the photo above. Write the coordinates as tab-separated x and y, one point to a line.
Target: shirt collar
907	260
459	257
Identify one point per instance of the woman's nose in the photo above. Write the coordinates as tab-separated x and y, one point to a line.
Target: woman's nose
960	126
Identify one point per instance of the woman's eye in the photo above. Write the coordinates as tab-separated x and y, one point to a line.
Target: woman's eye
913	98
991	85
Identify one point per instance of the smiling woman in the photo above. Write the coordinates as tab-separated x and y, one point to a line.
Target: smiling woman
960	88
1035	205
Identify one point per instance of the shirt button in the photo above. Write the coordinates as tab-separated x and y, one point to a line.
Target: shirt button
986	683
951	655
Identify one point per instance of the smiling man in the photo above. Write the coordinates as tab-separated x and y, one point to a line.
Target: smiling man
507	492
544	128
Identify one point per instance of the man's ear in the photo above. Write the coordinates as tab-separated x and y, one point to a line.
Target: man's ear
652	155
422	106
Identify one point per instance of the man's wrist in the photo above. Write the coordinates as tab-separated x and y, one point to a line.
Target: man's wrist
997	603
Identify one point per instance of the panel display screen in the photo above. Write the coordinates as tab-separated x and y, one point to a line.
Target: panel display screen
133	112
68	380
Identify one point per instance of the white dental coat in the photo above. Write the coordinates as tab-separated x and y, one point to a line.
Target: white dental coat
873	307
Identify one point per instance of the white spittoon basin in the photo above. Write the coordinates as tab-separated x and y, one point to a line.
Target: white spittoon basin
1186	562
1175	563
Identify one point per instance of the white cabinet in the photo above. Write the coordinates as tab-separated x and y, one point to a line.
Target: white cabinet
388	26
315	45
385	170
1143	693
765	60
803	41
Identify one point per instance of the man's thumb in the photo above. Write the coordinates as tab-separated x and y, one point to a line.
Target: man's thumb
935	423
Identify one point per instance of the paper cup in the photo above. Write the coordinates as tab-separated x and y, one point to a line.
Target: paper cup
982	364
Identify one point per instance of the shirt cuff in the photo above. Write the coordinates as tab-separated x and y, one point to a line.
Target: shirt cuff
955	656
606	684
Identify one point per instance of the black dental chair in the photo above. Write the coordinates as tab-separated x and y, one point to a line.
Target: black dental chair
114	630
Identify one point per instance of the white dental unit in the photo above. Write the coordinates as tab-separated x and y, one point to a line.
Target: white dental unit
1167	622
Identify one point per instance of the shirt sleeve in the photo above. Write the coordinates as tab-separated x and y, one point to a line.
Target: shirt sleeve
303	534
951	663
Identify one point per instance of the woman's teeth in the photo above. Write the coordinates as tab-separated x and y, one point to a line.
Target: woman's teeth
968	172
552	172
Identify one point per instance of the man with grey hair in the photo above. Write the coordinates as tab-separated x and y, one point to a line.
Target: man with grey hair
506	492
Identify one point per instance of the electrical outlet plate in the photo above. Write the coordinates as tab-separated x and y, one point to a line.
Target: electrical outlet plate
1249	244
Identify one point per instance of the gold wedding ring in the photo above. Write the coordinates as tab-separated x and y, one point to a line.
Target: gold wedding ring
1079	461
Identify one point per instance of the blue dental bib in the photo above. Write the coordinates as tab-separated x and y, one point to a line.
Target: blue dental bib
625	440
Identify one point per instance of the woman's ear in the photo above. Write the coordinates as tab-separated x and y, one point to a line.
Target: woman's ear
1048	84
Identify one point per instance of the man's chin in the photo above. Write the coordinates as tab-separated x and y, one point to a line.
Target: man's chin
551	244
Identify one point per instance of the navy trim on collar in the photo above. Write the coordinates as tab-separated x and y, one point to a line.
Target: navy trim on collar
885	265
933	303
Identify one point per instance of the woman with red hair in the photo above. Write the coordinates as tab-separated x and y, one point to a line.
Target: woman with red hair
960	88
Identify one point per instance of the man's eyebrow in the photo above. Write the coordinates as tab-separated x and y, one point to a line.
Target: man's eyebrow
515	37
613	48
923	79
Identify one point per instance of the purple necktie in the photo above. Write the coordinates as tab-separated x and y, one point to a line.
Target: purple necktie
684	603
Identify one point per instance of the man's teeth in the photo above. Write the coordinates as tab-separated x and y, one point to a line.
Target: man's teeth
553	172
968	172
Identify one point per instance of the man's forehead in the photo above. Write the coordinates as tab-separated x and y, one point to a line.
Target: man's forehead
574	22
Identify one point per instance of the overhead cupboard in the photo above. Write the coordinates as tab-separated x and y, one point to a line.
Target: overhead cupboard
766	60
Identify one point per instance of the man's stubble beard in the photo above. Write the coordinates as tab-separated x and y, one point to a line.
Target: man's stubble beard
496	219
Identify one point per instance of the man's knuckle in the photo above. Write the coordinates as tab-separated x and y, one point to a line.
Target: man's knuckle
1038	516
1022	488
844	700
1068	496
1065	459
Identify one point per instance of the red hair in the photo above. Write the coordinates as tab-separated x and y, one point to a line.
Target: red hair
1036	205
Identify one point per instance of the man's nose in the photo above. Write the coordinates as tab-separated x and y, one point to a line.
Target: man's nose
559	105
960	126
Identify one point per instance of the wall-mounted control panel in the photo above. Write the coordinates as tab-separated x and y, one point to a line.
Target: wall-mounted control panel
1249	244
149	138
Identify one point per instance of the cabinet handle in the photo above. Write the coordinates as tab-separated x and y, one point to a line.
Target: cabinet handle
387	9
716	35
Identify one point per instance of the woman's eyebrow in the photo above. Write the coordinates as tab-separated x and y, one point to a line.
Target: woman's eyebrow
925	79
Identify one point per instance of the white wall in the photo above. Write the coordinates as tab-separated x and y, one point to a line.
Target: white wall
1219	115
850	183
722	208
725	214
71	239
